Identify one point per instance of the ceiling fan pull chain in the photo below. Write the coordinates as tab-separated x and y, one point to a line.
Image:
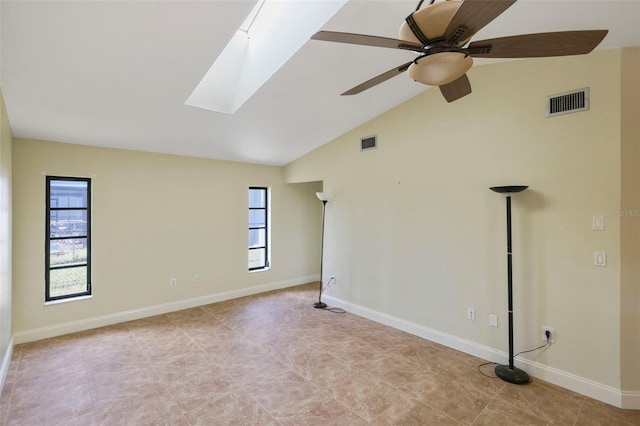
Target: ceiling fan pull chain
415	29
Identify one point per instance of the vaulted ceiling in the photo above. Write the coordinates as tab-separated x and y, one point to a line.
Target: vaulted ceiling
118	73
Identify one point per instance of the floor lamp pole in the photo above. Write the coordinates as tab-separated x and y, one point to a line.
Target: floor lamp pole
510	281
510	373
319	303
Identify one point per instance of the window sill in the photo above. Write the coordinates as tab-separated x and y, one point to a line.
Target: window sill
67	300
253	271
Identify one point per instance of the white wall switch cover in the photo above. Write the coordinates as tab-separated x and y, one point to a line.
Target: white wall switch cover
597	223
493	320
600	258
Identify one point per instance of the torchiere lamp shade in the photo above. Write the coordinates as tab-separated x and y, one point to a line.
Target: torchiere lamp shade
324	196
509	189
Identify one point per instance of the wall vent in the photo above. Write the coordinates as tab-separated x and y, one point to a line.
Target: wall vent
370	142
568	102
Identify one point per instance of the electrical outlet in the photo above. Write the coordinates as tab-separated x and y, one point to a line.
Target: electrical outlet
173	282
552	334
471	314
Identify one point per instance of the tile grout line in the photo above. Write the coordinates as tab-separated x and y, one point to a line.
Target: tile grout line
153	366
584	400
440	411
493	398
240	386
86	374
320	389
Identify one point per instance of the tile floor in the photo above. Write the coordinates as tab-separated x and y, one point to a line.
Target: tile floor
271	359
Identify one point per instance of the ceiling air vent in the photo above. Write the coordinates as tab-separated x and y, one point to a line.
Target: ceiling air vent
370	142
568	102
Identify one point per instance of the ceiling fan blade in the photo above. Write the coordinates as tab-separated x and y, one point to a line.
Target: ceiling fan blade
366	40
561	43
473	15
456	89
378	79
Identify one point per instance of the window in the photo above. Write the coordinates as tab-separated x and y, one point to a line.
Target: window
258	228
68	238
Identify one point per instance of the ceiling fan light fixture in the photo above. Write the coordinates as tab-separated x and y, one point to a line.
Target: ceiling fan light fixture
440	68
438	33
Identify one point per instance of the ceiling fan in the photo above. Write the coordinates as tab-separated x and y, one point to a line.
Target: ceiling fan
439	32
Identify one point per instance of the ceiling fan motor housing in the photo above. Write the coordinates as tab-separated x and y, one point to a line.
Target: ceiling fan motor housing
438	68
432	21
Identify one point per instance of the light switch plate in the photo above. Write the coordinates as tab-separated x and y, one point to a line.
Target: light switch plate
600	258
597	223
493	320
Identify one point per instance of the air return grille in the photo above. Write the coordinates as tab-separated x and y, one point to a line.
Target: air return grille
370	142
568	102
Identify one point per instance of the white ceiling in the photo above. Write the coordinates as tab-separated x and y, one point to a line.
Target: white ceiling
117	73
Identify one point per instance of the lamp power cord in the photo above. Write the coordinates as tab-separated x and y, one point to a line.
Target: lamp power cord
330	283
547	333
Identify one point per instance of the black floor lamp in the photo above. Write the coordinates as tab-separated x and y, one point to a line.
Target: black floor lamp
509	373
324	197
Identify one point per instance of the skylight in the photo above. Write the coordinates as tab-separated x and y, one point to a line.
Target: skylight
270	35
251	17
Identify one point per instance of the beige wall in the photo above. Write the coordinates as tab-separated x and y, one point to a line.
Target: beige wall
6	142
415	233
630	222
156	217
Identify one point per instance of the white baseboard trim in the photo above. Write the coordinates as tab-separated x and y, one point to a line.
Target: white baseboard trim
590	388
149	311
4	368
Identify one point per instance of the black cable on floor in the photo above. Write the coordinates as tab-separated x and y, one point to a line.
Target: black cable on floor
486	375
495	363
335	310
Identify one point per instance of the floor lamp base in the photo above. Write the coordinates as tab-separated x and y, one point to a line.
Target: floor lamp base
512	375
320	305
